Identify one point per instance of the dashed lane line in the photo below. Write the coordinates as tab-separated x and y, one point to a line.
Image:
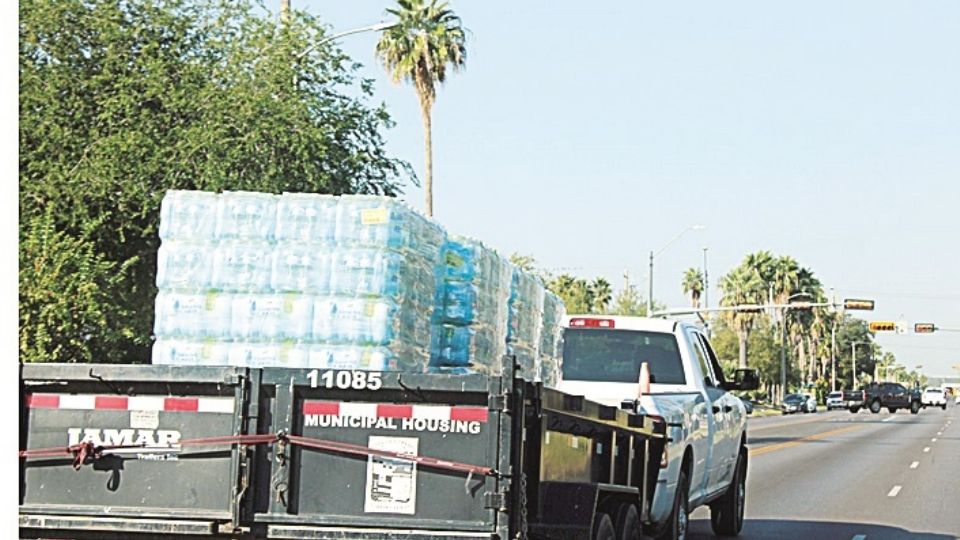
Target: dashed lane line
789	444
915	464
894	491
926	449
859	537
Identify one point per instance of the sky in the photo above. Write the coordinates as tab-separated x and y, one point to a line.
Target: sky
589	136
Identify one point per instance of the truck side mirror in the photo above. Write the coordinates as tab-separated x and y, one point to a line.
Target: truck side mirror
744	379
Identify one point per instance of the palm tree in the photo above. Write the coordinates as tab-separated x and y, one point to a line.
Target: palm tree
742	285
600	295
427	37
693	285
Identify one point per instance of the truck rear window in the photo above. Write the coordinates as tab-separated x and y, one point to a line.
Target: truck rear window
616	355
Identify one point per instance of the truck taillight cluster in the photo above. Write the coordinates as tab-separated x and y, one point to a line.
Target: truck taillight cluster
583	322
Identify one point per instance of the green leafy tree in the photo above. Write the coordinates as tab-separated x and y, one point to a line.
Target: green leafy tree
427	39
629	302
65	306
693	285
121	101
742	285
600	295
574	292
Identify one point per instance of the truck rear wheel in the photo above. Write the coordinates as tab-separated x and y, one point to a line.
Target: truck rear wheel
914	407
627	522
726	514
603	527
875	406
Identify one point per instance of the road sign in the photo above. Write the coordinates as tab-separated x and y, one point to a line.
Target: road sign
882	326
857	304
924	328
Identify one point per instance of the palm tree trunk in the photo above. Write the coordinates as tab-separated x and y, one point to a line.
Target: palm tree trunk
428	156
742	336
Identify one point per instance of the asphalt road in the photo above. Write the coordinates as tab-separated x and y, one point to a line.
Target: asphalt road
851	477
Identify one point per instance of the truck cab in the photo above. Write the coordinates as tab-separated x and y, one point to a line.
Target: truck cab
705	458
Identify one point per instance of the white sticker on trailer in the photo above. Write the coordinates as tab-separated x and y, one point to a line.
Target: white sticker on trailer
145	419
391	483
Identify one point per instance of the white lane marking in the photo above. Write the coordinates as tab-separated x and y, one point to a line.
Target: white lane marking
927	449
894	491
859	537
933	439
915	464
889	418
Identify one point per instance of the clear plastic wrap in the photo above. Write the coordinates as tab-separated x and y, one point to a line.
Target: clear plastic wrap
184	265
188	215
306	217
246	215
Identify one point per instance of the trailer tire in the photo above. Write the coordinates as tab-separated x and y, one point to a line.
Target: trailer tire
679	521
627	522
914	407
875	406
603	528
854	410
944	406
726	514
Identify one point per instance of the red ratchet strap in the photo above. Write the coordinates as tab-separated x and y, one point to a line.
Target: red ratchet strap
87	451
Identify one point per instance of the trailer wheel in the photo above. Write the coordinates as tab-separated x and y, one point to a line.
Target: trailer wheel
914	407
627	522
603	528
892	409
854	410
680	516
944	406
726	515
875	406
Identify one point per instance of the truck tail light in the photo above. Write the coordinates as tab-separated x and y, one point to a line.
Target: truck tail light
584	322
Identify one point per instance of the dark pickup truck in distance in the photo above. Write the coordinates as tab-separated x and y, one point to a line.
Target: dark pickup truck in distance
875	396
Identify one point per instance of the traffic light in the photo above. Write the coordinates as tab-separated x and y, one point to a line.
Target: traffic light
924	328
882	326
856	304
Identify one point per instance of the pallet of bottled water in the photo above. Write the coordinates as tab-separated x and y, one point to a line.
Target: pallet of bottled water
296	280
550	358
470	321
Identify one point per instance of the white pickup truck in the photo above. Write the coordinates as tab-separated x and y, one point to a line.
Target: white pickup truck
705	462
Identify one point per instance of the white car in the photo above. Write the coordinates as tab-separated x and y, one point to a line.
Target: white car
834	401
934	397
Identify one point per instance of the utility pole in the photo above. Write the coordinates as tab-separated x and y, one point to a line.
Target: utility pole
650	288
833	344
706	293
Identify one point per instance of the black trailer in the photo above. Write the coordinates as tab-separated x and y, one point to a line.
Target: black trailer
130	451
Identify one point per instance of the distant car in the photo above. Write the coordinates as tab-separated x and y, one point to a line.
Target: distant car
793	403
933	397
835	401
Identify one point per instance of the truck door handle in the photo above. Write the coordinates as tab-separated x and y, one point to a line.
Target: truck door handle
727	408
716	409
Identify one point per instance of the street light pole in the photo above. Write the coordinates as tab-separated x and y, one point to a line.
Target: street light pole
652	255
706	290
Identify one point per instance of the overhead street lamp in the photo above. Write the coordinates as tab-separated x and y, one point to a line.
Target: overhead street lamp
379	27
657	254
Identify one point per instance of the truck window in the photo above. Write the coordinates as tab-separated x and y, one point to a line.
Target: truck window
717	368
702	361
616	355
